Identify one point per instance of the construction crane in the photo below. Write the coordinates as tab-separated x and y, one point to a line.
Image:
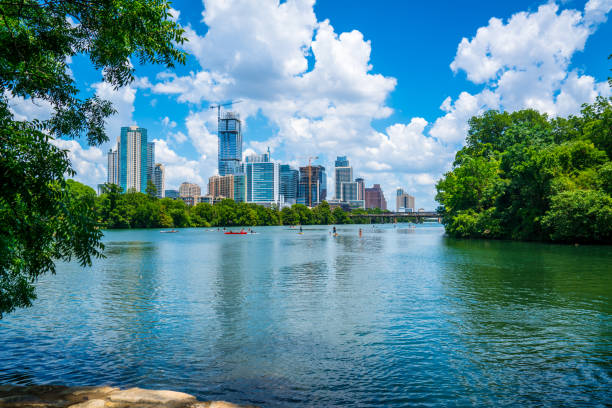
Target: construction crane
219	105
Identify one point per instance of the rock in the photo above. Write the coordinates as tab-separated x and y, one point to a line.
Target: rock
92	390
142	396
94	403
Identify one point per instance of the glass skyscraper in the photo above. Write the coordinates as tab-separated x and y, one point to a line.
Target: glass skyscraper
262	180
289	179
230	143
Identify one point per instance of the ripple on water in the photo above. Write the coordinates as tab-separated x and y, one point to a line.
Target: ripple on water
399	317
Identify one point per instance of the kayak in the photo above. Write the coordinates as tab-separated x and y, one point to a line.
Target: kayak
168	232
236	233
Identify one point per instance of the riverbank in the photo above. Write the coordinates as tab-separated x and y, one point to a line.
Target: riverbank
13	396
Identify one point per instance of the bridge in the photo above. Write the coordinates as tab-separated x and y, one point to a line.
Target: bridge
393	216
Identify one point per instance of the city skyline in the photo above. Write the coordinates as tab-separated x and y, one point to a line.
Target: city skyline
326	79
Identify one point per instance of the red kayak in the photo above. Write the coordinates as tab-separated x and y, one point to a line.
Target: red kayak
236	233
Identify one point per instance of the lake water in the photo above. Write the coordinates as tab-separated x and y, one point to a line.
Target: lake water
400	317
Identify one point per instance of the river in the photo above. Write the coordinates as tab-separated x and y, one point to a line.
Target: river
399	317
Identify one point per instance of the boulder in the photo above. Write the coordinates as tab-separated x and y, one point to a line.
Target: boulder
142	396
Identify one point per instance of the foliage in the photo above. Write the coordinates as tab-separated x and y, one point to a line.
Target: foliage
44	218
524	176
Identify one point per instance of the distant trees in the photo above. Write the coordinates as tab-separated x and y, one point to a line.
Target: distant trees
114	209
525	176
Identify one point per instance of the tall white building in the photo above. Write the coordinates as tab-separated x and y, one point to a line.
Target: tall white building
113	167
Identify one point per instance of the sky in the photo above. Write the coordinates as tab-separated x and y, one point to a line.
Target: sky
390	84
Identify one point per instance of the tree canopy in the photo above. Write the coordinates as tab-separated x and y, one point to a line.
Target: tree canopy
525	176
43	219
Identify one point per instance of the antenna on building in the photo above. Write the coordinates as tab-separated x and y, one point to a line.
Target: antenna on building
219	105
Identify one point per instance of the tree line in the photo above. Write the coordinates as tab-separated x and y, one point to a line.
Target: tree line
525	176
115	209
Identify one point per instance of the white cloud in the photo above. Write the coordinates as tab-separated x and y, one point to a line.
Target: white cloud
259	51
178	169
90	163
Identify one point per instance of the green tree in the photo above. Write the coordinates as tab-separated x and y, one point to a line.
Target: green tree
151	189
42	221
340	216
322	214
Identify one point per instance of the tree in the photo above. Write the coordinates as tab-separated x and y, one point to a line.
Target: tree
526	177
151	189
42	221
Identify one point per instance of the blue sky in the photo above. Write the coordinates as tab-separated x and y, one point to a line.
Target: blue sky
390	84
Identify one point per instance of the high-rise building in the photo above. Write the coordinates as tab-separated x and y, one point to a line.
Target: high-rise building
150	160
230	143
113	167
262	179
221	186
240	188
343	173
289	179
132	159
404	202
131	164
189	190
375	198
312	187
258	158
159	179
360	188
349	191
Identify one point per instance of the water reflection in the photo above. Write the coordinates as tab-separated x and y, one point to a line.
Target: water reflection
399	317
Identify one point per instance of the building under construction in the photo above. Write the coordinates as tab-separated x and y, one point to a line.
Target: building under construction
312	187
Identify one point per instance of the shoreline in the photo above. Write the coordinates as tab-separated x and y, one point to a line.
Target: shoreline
60	396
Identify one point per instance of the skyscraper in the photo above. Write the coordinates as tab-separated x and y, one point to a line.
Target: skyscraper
150	160
404	202
343	173
312	188
289	179
360	188
113	167
230	143
375	198
132	154
159	179
262	179
349	191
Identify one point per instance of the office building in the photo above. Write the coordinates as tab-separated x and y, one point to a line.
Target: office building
174	194
349	191
221	186
343	174
404	202
289	179
113	167
240	188
159	179
312	187
230	143
374	198
189	190
262	179
360	188
258	158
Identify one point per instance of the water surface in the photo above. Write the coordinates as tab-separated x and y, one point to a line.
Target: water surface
400	317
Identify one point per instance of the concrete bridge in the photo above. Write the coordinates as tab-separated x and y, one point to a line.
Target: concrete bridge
393	216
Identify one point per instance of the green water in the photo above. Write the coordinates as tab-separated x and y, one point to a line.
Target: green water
399	317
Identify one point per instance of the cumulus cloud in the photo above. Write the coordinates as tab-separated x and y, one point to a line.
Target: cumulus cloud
319	89
178	169
89	163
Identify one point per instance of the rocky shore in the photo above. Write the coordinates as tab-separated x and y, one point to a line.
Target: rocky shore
58	396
